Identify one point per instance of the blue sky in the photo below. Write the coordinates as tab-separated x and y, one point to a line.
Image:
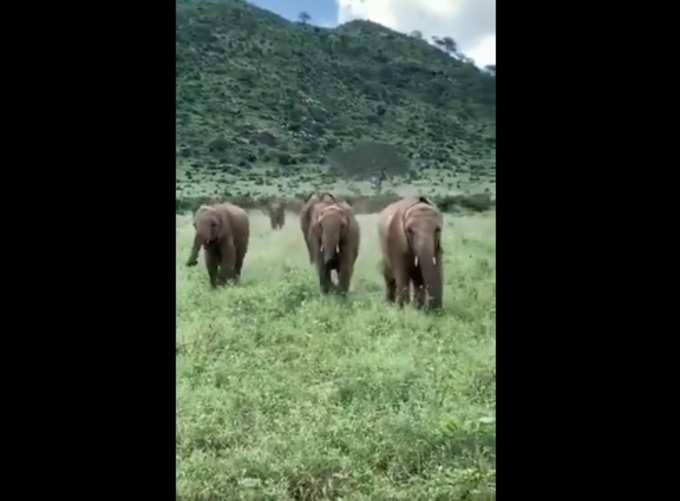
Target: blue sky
323	12
471	23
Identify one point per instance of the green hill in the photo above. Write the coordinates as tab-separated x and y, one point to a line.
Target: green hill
265	105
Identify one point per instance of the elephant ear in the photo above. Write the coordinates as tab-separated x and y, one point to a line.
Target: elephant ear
397	231
327	197
345	205
305	223
200	214
199	211
344	218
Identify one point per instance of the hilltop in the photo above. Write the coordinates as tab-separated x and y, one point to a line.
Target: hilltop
266	105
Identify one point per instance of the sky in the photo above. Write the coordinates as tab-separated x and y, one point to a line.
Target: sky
471	23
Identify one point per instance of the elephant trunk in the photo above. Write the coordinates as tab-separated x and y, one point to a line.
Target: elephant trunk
330	247
430	268
204	235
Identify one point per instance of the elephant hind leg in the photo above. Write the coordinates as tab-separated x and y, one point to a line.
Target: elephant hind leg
227	263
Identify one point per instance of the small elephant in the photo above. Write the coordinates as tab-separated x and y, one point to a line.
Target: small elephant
223	230
306	215
332	235
410	240
277	214
196	248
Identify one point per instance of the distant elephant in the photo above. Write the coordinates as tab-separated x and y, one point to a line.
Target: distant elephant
332	235
277	214
410	240
223	230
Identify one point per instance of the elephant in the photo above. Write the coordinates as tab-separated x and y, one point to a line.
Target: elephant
332	236
223	230
410	240
196	248
277	214
306	215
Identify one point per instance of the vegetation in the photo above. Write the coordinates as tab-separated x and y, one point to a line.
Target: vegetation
369	159
304	17
285	395
448	44
257	93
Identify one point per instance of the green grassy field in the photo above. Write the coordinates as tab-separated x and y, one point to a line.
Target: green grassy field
286	395
308	178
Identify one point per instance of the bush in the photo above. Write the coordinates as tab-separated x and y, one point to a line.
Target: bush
478	202
368	159
218	145
286	159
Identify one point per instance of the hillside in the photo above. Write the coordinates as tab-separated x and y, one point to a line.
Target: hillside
266	104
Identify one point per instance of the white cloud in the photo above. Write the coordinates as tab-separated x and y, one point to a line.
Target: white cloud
471	23
325	24
484	53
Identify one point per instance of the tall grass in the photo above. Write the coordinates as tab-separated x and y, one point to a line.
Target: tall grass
286	395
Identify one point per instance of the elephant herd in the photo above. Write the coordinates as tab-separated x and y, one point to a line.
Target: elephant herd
410	241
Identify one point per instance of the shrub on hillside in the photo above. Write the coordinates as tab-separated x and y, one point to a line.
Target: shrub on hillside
369	158
218	145
285	159
477	201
